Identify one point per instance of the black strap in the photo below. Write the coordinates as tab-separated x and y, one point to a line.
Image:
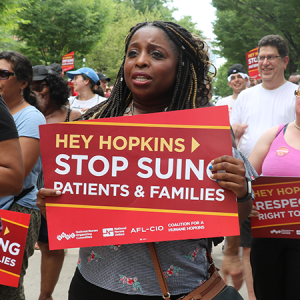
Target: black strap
283	128
68	115
23	194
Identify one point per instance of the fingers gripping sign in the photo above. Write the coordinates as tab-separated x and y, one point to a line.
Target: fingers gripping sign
41	196
230	173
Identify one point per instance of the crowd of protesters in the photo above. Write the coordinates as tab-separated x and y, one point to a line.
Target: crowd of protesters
165	68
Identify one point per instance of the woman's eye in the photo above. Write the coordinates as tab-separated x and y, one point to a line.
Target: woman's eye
132	53
157	54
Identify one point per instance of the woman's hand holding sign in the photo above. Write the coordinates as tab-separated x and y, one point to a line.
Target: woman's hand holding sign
42	194
232	179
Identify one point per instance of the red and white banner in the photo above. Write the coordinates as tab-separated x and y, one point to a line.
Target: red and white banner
137	179
12	244
67	61
252	63
278	202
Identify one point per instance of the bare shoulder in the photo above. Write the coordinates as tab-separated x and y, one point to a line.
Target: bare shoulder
74	114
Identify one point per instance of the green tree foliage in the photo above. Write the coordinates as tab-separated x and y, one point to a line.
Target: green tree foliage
220	85
9	20
108	54
242	23
186	22
144	6
56	27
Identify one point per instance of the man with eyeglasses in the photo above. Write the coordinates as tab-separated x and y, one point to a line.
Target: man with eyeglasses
263	106
267	104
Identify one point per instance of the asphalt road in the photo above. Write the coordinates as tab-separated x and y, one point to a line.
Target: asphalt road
32	278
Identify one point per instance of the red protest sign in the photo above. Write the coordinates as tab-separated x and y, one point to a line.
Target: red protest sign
12	244
67	61
139	178
252	63
278	201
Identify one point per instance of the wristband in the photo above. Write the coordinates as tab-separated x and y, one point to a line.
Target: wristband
249	192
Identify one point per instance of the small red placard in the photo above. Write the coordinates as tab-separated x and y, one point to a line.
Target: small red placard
12	244
67	61
252	63
278	202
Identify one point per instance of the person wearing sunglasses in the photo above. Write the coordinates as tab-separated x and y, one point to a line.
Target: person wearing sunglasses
52	93
15	88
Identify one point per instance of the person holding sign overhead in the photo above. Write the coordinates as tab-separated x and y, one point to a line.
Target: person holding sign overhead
277	153
165	68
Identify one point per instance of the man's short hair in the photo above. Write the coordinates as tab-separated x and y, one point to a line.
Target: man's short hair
276	41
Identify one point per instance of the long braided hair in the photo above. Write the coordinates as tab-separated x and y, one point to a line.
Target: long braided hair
192	76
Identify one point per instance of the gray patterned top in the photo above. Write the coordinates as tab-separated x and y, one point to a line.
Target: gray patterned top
129	269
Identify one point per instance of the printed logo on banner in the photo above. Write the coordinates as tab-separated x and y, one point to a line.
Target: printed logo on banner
275	231
108	232
66	236
298	232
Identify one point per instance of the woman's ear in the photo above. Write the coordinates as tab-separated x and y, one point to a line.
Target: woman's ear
23	85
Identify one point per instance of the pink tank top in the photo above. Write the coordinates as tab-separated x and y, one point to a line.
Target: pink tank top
282	159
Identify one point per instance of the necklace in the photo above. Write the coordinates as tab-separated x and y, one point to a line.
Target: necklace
16	107
131	109
296	125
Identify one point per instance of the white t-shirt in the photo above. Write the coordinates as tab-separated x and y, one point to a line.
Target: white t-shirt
262	109
229	101
79	104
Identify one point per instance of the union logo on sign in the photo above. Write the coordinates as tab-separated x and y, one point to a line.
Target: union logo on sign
108	232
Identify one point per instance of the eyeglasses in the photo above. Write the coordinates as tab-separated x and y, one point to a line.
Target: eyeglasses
297	93
269	58
5	74
38	87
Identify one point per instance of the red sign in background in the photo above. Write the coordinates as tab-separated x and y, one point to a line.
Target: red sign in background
12	244
67	61
137	179
278	202
252	63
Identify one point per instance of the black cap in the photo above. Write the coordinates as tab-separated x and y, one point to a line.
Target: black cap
56	68
236	68
40	72
103	76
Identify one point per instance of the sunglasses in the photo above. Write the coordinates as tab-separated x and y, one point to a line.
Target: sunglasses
5	74
38	87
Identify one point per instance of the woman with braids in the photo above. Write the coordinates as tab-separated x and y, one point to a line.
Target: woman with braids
165	68
21	101
52	93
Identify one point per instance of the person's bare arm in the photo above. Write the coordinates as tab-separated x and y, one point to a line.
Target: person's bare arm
239	130
30	152
262	148
11	168
41	196
231	264
234	180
